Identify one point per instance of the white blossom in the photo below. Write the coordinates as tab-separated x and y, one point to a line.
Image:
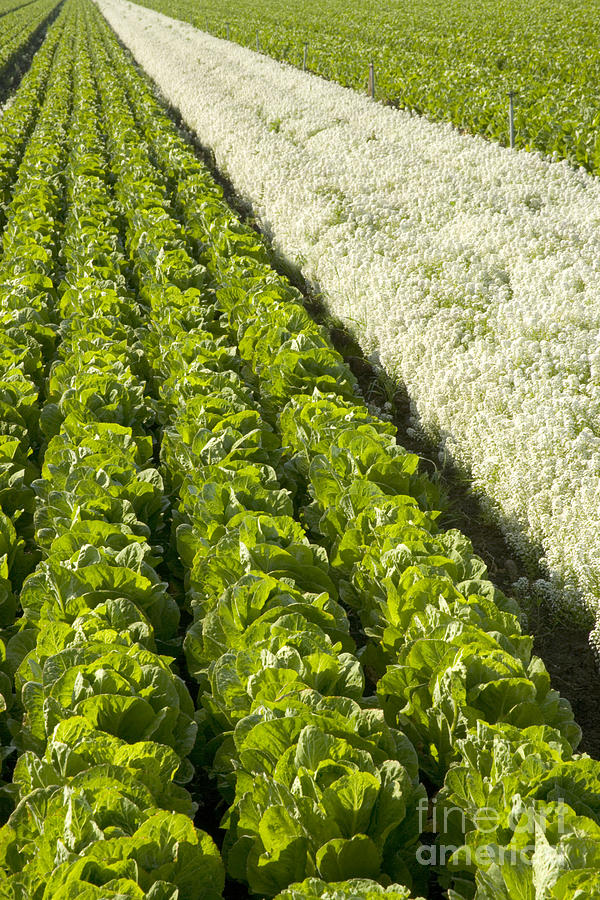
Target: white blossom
467	271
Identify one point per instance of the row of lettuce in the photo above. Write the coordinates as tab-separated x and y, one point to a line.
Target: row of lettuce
100	809
18	27
20	117
161	318
27	184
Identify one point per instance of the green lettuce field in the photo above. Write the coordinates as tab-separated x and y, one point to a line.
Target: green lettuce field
241	654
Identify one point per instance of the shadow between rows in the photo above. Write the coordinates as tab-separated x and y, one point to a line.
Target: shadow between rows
19	64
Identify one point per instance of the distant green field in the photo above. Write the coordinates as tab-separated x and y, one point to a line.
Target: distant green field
454	61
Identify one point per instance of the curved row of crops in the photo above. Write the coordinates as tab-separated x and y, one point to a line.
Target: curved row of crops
183	408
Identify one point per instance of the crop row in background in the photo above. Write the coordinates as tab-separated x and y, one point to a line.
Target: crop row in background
454	62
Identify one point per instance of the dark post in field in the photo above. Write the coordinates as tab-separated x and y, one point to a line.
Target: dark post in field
257	42
227	30
372	80
305	59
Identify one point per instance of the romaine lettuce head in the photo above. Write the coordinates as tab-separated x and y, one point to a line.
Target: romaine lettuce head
354	889
285	662
246	612
89	584
552	853
126	691
320	786
164	857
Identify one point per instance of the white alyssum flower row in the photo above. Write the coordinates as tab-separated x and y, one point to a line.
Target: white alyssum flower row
469	272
